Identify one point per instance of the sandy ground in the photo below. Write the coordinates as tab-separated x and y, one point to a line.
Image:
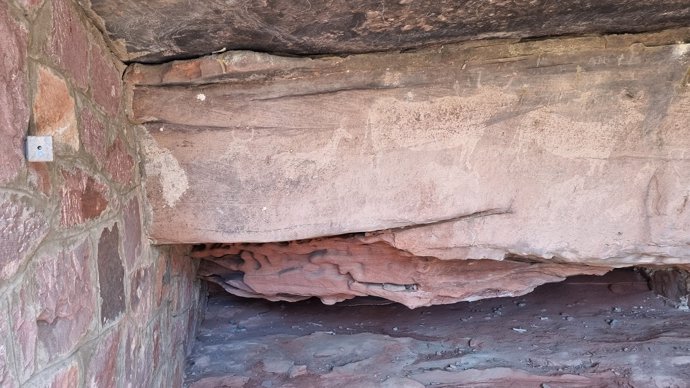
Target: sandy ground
608	331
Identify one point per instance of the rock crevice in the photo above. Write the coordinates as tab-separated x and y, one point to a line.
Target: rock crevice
340	268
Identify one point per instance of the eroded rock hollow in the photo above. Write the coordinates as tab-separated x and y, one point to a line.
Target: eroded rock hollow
465	171
337	269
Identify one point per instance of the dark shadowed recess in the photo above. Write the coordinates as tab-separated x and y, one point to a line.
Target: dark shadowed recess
588	331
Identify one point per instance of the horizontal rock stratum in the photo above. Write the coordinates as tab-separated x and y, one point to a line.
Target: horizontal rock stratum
160	30
569	150
337	269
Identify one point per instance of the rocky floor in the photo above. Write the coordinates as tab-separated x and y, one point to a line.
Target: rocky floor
588	331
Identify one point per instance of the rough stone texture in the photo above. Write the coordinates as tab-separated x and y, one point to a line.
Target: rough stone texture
83	198
64	291
22	227
53	109
336	269
574	149
141	293
7	374
105	80
30	5
586	332
24	333
54	309
672	283
103	361
64	279
110	275
14	112
93	134
68	44
133	232
159	29
138	356
39	178
119	163
66	377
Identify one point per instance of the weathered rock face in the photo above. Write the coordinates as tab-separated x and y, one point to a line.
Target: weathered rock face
156	30
336	269
574	149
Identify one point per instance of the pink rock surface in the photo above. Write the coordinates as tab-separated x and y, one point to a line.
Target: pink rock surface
336	269
573	149
14	106
83	198
54	109
22	227
68	44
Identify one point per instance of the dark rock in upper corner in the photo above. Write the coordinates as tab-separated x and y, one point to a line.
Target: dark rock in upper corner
157	30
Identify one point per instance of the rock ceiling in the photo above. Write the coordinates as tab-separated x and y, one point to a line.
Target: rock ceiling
159	30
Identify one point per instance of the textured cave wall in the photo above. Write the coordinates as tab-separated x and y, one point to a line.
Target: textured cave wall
522	162
161	30
84	299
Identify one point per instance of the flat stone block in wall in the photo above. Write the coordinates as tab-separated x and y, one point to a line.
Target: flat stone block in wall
83	198
133	232
101	361
162	282
22	226
7	377
68	44
106	82
39	178
66	377
110	275
141	299
138	369
93	134
55	307
119	163
53	107
14	110
64	290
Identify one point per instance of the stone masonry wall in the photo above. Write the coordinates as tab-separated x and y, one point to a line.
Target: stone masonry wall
84	299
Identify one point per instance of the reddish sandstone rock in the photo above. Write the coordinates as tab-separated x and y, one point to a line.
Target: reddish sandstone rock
141	294
14	110
156	344
133	232
138	356
39	177
119	163
54	309
24	333
22	227
53	106
7	377
101	363
336	269
83	198
106	81
68	44
162	282
64	290
110	275
66	377
93	134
